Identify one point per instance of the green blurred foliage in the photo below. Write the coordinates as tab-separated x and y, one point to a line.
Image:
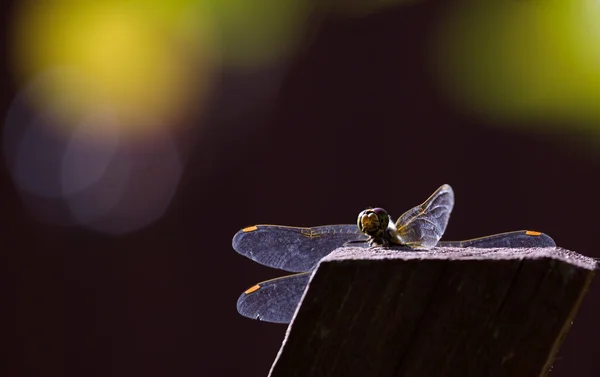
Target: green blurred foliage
525	60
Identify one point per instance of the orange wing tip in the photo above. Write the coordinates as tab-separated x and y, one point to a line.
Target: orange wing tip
253	289
250	229
532	233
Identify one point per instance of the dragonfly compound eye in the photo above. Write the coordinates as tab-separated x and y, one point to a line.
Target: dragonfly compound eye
370	222
380	211
359	221
373	221
383	217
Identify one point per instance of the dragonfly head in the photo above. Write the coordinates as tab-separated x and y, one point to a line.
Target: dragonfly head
373	221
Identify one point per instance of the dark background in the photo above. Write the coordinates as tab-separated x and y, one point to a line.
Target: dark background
357	122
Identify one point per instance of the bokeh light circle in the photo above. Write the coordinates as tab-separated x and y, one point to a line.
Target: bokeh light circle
522	62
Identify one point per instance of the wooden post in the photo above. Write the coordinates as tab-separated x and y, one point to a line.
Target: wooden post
445	312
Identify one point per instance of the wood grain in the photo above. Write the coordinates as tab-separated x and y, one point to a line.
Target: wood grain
444	312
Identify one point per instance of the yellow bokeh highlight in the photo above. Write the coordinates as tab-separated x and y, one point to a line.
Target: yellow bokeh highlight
258	32
523	60
137	58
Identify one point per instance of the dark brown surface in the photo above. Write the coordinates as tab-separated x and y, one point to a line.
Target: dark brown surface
446	312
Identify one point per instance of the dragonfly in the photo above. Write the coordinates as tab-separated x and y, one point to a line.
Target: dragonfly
299	249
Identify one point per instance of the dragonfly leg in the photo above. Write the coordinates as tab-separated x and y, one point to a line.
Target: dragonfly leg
381	241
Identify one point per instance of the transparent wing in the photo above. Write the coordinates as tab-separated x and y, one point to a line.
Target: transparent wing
274	300
516	239
423	226
291	248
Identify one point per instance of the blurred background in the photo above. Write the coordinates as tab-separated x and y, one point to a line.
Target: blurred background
139	136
